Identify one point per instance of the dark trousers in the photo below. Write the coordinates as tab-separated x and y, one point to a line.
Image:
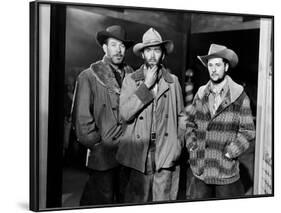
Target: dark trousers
201	190
105	187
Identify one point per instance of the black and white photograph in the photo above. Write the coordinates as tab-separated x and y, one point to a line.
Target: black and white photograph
135	105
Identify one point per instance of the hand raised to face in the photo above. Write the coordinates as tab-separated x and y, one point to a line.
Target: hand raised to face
151	76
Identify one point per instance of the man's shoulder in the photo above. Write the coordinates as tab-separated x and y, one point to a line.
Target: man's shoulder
201	91
88	72
128	69
84	73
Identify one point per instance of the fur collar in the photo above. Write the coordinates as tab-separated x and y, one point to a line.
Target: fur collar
103	71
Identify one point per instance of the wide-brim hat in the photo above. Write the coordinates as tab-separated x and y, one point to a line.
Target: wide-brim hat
152	38
114	31
220	51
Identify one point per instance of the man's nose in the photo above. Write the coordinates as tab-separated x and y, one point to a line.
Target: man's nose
152	54
213	69
118	48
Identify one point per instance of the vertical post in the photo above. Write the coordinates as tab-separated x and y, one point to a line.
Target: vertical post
263	152
56	105
33	93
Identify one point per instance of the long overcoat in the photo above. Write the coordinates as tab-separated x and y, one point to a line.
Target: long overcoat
96	114
138	108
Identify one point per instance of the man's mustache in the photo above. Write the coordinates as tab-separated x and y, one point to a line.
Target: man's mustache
118	55
152	60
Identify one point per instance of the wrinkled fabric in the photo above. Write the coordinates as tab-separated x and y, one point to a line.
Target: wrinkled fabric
209	137
96	113
136	110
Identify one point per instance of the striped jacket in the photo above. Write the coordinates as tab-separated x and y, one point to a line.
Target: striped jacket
209	138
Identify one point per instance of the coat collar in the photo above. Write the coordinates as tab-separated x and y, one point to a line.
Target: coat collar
103	71
235	90
139	74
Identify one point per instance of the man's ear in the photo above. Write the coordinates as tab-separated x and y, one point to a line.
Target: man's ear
163	56
104	47
226	67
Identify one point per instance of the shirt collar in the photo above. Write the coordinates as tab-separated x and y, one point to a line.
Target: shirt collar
220	88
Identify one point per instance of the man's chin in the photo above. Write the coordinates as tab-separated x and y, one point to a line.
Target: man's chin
117	61
217	80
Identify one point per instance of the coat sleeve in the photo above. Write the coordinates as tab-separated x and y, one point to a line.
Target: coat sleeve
190	134
133	98
182	117
85	126
246	132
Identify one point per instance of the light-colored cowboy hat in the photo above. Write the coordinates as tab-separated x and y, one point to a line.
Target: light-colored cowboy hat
152	38
114	31
220	51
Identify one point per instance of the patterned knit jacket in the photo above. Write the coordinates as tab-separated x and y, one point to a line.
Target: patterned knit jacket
209	138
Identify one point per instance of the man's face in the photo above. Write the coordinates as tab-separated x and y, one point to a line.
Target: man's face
115	50
152	55
217	69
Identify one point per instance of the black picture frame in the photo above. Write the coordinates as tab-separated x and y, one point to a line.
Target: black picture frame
52	149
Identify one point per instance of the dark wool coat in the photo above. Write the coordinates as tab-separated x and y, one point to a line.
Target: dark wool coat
136	109
96	113
230	130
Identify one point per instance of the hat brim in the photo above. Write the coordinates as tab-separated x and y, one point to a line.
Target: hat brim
103	35
227	54
168	45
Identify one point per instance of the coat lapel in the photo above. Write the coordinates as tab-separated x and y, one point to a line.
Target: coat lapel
104	73
163	87
165	78
205	106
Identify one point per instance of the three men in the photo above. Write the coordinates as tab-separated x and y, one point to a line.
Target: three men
220	128
144	130
151	105
96	116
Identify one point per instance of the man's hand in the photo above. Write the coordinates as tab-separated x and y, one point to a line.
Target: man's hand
151	76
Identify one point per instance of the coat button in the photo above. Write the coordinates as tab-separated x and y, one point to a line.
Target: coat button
166	116
138	136
166	134
165	96
141	118
104	105
114	108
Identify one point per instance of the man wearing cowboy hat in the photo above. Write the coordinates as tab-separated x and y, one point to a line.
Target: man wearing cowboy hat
150	106
219	129
96	116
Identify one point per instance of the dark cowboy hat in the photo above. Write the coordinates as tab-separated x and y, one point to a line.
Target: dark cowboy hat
114	31
153	38
220	51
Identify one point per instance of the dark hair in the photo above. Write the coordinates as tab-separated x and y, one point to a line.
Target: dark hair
163	49
225	61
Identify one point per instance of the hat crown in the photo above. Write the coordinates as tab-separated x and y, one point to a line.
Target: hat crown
214	48
117	31
151	36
